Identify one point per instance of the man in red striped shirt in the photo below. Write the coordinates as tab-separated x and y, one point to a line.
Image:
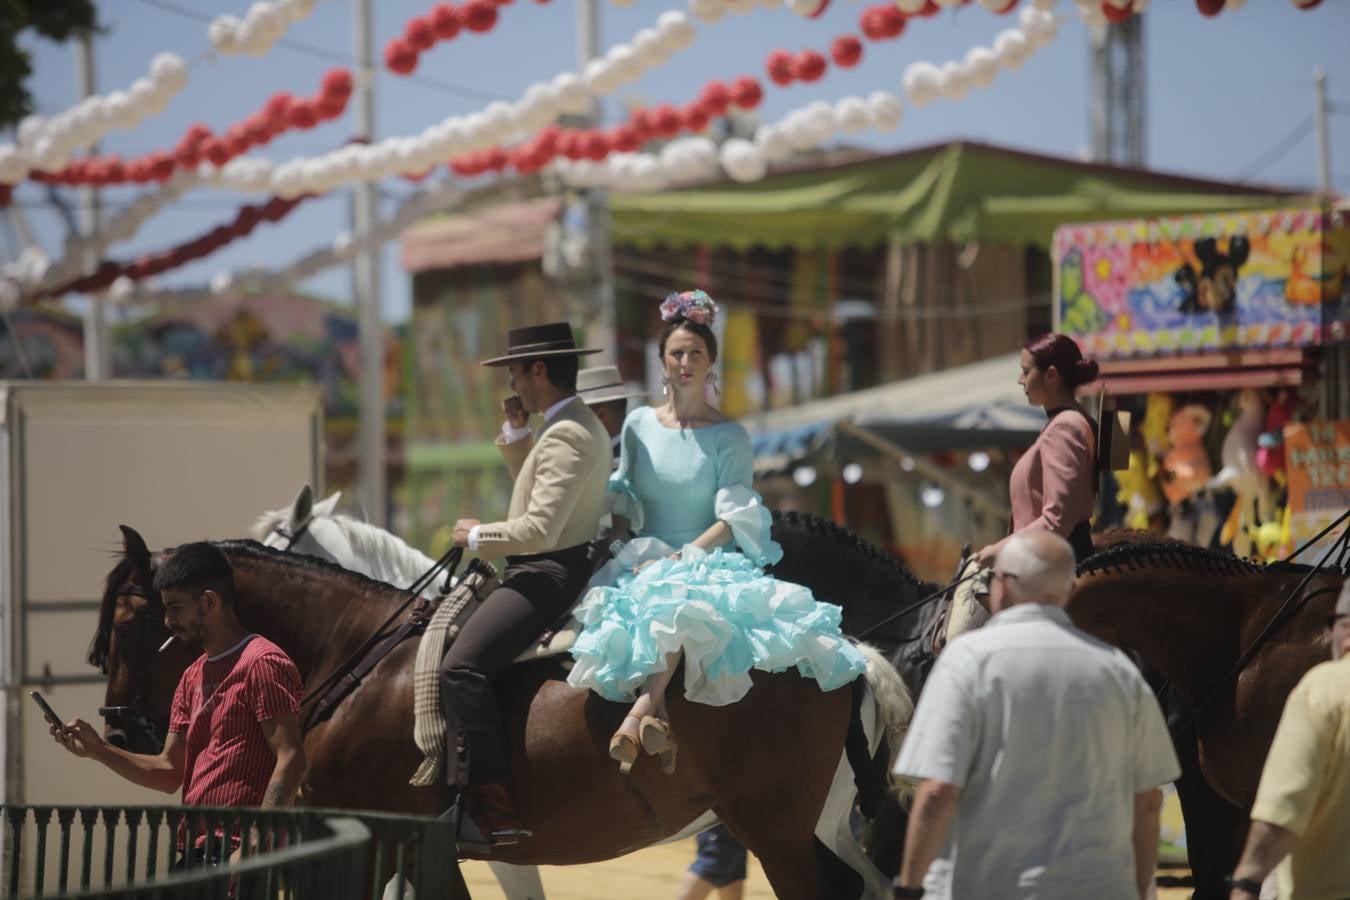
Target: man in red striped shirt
234	728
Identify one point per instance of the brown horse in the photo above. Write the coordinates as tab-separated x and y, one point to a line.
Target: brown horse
765	766
1187	614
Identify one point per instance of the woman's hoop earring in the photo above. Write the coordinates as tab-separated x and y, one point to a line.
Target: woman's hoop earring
711	381
665	385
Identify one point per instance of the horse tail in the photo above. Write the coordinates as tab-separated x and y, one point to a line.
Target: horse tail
895	707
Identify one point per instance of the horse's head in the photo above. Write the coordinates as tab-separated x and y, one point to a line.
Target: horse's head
305	527
131	629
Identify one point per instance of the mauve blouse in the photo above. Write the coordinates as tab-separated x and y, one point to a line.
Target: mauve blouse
1053	485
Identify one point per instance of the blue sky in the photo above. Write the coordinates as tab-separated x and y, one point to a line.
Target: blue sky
1221	93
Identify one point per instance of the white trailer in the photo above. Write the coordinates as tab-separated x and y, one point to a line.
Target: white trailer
177	461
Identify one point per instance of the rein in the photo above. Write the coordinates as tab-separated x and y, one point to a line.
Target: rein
1282	615
447	563
923	601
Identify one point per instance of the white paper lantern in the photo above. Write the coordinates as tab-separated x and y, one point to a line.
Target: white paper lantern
743	161
922	82
884	110
708	10
1012	48
774	142
1044	5
851	114
954	80
573	98
981	66
169	72
741	7
676	29
910	7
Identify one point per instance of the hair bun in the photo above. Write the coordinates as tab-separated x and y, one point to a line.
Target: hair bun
1085	371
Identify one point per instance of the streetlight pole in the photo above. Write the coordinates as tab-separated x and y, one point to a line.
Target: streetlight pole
371	441
97	347
1323	133
600	320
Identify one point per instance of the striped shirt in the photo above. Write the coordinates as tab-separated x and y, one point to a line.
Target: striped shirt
217	707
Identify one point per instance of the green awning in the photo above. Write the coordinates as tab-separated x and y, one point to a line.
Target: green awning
952	192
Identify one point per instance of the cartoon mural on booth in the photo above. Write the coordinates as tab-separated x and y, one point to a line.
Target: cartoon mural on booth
1250	280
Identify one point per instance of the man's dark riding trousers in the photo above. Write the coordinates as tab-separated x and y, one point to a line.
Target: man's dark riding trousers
536	590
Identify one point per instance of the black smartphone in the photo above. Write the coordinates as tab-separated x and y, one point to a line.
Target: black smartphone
48	713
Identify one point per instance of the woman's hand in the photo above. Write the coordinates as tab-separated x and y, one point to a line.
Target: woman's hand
642	565
987	555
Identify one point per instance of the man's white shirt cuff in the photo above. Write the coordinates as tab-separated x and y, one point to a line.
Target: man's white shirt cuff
473	537
511	433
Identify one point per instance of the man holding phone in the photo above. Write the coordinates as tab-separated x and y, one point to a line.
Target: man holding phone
234	728
560	473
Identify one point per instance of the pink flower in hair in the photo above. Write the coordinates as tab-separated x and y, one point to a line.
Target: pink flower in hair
695	306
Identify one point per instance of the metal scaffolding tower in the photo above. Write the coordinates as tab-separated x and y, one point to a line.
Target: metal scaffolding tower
1116	101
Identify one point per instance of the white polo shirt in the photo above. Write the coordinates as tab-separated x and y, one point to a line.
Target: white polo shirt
1049	733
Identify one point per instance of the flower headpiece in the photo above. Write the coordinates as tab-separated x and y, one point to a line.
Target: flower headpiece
696	306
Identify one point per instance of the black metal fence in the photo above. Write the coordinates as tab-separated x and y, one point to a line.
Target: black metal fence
148	852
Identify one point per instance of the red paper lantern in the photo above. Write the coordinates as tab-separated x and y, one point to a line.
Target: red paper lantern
274	209
237	145
809	66
304	115
1208	8
546	141
746	92
930	8
624	138
399	57
445	21
694	117
1011	5
570	144
419	34
479	15
337	83
278	106
496	159
596	146
161	167
780	68
715	98
6	194
1307	4
641	121
666	119
117	170
846	50
1118	14
330	107
882	23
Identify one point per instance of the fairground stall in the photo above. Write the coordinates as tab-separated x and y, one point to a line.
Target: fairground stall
1225	336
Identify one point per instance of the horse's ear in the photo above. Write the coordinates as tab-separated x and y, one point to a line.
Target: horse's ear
303	507
326	507
134	547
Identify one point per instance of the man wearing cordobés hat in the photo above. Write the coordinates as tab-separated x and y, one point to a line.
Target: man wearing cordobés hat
556	503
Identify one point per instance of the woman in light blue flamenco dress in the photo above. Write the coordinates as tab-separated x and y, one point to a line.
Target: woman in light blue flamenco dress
692	582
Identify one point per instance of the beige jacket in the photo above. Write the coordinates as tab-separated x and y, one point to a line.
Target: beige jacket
559	494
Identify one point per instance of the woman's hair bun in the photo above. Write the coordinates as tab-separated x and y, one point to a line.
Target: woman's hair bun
1084	372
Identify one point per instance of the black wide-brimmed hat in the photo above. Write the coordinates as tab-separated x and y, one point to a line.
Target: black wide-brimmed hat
538	342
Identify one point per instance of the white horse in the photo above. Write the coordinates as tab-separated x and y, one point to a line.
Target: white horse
315	529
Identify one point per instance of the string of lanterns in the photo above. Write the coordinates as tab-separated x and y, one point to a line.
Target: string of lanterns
264	24
246	219
283	112
47	144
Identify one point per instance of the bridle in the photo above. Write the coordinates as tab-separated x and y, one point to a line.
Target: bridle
137	635
291	535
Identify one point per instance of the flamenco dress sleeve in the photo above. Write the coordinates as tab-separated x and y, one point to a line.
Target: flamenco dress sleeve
623	498
738	505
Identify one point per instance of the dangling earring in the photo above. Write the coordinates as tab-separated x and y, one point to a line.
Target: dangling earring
711	381
665	385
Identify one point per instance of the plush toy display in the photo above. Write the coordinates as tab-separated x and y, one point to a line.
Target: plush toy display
1241	474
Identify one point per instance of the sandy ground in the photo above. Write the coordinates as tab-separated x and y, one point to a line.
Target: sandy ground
651	874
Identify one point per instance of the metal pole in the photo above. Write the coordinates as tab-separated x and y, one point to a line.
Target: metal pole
371	446
600	315
97	347
1323	133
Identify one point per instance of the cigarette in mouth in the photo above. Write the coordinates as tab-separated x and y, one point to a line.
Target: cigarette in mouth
165	646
